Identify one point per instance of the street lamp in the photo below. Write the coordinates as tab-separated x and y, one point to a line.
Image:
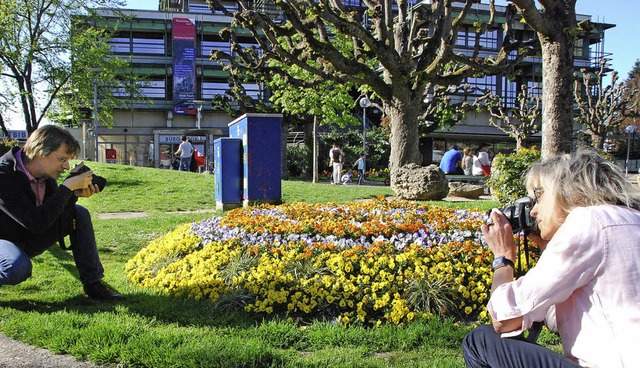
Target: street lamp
364	103
95	109
199	104
630	129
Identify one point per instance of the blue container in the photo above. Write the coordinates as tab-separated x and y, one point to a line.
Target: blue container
261	146
228	173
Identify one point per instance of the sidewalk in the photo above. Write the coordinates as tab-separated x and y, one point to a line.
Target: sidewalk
15	354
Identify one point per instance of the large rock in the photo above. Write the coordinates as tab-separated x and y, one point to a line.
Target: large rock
415	182
465	190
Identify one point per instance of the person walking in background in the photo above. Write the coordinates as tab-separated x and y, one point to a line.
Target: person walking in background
585	283
336	156
451	159
483	158
36	212
185	150
467	161
360	163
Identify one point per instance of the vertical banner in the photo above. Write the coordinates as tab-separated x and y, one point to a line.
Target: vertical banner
184	66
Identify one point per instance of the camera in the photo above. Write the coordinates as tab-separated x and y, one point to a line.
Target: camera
519	215
95	179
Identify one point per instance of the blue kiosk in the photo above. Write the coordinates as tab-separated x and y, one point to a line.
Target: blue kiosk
228	173
261	139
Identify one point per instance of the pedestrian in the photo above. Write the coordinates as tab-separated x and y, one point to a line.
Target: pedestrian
467	161
483	158
360	164
185	150
336	155
450	163
36	212
585	284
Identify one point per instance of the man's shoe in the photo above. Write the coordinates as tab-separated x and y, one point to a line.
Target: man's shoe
97	290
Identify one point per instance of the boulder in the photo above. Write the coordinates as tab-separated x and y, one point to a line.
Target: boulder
465	190
415	182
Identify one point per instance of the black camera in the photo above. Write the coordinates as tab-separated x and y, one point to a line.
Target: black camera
95	179
519	215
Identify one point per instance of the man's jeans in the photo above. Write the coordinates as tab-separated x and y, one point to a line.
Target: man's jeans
15	265
483	347
361	176
185	164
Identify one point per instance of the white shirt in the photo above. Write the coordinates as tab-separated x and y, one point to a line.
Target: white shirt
477	167
590	272
185	149
483	157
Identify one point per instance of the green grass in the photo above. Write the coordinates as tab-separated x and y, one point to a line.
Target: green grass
49	310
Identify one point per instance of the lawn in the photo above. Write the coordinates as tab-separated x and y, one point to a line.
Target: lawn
150	329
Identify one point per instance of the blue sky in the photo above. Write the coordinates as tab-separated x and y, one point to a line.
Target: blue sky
620	40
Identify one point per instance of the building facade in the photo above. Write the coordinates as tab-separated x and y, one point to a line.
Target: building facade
171	48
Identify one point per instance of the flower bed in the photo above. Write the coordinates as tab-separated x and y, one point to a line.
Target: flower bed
369	262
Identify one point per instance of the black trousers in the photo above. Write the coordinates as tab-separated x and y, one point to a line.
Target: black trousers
483	348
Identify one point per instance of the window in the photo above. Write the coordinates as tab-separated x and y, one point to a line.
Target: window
467	38
211	89
482	84
120	45
489	40
200	8
148	46
578	50
207	46
462	39
154	89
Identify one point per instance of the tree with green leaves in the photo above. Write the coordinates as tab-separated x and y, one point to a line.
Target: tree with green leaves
329	104
48	50
403	54
602	108
520	121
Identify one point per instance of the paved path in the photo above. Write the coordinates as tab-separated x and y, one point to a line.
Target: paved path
15	354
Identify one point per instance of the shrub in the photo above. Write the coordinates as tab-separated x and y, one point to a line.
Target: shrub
299	160
508	172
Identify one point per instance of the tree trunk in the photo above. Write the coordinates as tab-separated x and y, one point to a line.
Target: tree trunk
404	138
557	96
315	149
597	141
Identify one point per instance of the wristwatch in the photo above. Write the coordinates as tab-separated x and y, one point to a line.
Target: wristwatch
500	262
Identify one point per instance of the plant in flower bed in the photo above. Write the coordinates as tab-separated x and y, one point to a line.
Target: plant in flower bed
368	262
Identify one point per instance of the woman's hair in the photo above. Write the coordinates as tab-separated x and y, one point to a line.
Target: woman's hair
47	139
465	152
583	178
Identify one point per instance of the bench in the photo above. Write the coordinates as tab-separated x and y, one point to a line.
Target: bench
471	179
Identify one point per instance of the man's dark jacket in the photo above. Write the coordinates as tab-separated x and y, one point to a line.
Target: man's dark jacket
33	228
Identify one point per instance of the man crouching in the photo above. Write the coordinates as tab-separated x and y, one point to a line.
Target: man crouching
35	212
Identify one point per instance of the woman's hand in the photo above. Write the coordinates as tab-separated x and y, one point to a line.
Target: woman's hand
499	235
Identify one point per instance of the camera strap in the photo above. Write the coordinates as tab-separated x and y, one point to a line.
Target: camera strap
525	249
67	226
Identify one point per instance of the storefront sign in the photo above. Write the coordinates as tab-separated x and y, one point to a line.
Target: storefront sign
15	134
176	139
